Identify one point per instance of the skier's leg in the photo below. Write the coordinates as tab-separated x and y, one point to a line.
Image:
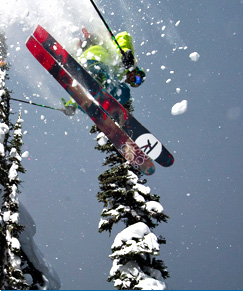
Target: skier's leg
85	32
90	38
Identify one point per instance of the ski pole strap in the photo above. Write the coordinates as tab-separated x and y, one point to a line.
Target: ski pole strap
106	25
36	104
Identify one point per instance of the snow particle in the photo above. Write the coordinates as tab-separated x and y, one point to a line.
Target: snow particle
74	83
179	108
25	154
168	81
194	56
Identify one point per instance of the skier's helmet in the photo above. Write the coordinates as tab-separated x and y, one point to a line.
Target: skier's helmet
140	77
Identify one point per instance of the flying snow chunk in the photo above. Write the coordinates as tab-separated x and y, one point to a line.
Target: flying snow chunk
74	83
177	23
194	56
83	61
179	108
25	154
168	81
178	90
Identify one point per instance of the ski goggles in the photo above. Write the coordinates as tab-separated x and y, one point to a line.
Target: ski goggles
139	77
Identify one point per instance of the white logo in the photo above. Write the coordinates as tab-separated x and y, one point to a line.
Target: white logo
150	145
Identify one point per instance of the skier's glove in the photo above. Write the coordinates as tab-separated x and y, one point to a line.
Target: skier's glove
69	110
70	107
128	59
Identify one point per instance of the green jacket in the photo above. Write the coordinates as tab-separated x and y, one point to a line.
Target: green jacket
101	54
125	41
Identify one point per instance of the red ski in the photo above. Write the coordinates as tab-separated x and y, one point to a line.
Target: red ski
124	144
136	131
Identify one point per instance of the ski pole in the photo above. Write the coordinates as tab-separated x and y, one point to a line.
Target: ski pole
106	25
36	104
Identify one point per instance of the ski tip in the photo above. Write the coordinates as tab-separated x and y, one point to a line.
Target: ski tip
169	161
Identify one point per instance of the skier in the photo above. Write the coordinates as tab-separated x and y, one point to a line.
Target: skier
111	73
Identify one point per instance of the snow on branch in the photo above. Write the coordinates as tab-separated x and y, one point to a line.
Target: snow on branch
133	276
135	239
134	242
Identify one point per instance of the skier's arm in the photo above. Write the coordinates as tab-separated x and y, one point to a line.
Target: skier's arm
128	59
124	40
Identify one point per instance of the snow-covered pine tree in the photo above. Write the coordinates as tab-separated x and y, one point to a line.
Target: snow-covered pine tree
11	276
127	199
21	265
